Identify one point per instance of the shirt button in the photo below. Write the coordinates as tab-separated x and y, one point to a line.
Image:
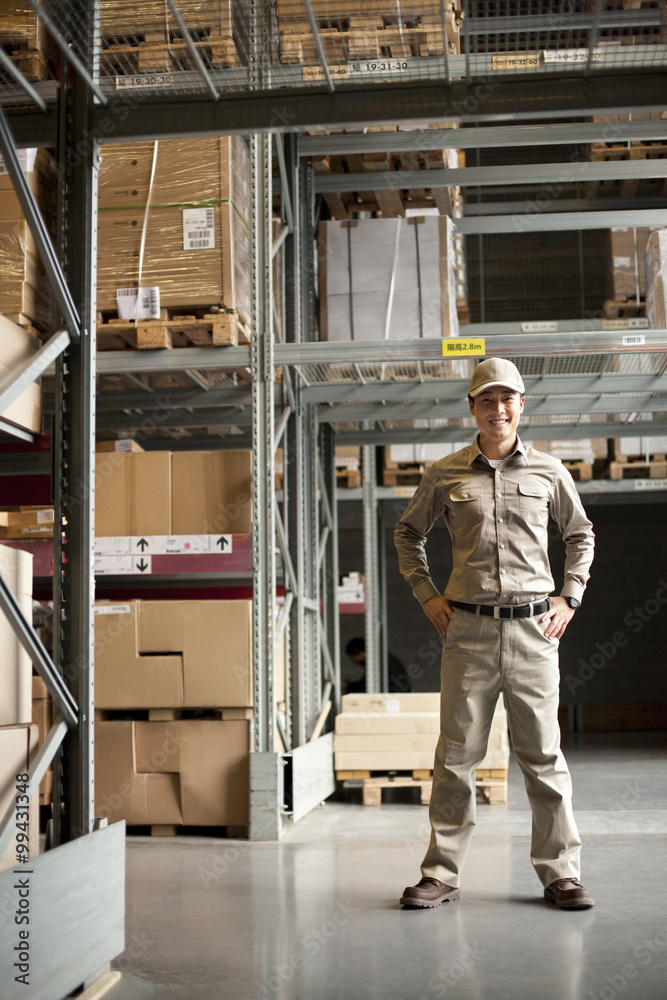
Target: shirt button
502	545
534	491
503	571
500	520
465	496
499	494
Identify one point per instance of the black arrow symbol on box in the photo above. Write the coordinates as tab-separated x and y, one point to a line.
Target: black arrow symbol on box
141	566
222	542
142	544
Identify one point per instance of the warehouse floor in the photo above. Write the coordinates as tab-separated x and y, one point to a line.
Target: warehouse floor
316	916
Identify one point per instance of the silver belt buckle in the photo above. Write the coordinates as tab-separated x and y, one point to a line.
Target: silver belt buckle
497	608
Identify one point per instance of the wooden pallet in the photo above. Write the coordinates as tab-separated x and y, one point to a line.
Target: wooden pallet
604	152
173	331
492	782
389	204
410	475
623	309
171	830
382	35
638	468
25	40
162	51
580	471
348	478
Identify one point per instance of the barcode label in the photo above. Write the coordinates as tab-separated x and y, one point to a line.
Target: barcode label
198	229
138	303
633	341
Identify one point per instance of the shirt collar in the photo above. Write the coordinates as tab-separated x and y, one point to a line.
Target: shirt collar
474	450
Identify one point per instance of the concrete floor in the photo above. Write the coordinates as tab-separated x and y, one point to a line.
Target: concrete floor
316	916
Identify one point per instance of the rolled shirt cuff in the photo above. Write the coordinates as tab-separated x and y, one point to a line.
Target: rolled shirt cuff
425	591
572	589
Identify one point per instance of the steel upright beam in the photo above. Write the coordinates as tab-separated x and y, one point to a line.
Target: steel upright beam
74	576
264	528
329	568
371	569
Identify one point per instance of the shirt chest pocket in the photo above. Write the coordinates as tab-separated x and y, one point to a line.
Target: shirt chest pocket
533	501
465	502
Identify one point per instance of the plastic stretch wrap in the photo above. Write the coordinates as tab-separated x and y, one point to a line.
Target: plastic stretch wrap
391	279
24	288
197	226
153	15
656	279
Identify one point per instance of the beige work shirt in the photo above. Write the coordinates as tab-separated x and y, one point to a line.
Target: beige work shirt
498	520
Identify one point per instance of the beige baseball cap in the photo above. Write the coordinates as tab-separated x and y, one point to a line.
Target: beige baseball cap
495	371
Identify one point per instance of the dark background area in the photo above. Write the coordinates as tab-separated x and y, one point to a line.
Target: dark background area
612	658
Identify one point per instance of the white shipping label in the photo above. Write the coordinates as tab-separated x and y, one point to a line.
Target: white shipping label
542	326
123	565
621	262
198	229
112	609
138	303
44	517
392	705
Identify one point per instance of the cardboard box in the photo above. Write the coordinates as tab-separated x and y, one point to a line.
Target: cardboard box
17	346
133	493
391	703
387	723
211	492
424	279
42	717
15	664
403	741
122	444
186	772
35	523
195	175
627	253
656	280
169	654
18	745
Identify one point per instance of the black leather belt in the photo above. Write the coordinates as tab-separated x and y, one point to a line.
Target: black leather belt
496	611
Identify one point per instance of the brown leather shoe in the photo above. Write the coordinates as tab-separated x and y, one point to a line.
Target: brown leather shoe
568	894
428	892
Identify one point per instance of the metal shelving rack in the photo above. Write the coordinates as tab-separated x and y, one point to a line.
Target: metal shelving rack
580	374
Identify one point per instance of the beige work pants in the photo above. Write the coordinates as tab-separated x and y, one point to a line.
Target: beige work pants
482	657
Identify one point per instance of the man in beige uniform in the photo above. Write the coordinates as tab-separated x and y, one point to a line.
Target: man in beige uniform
500	631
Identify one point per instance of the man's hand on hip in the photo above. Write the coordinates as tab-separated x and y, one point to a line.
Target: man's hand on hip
439	611
561	614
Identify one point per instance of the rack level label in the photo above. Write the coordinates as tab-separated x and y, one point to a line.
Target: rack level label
513	60
170	545
463	347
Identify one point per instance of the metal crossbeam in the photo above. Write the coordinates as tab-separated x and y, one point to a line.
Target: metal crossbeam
33	368
529	432
482	137
10	69
452	391
549	222
43	663
66	49
194	51
39	232
519	173
453	409
38	769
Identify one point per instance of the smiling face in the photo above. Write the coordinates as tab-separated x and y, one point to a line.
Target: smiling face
497	411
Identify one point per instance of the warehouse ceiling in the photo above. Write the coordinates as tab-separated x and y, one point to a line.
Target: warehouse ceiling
557	108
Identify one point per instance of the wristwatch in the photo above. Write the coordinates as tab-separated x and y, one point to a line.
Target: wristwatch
573	603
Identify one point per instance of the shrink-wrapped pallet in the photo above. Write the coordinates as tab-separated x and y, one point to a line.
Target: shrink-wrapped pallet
175	216
656	279
387	279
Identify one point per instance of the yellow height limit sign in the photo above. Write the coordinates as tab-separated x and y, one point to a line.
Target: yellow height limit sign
462	347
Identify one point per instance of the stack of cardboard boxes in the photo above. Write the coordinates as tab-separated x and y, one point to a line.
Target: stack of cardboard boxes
179	493
175	216
656	280
399	732
173	697
18	737
26	294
